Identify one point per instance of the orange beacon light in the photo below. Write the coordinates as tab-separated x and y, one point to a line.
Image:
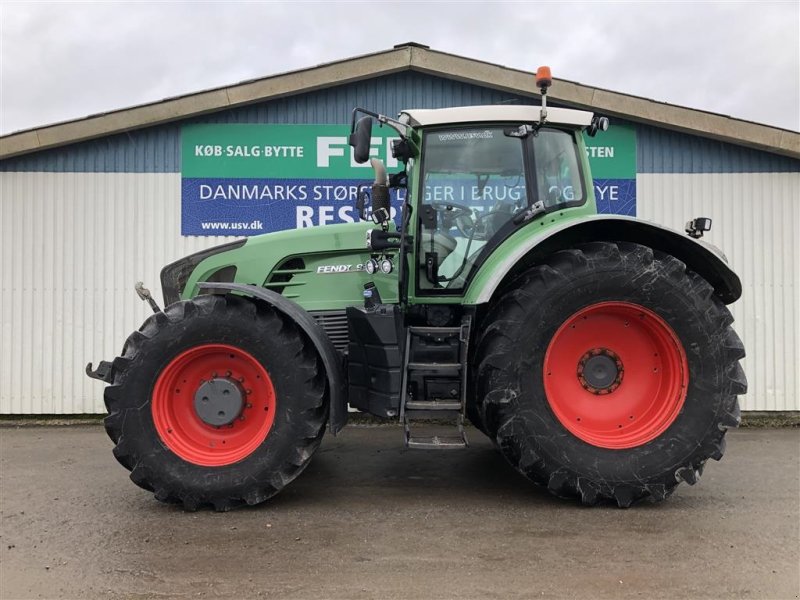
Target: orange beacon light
543	78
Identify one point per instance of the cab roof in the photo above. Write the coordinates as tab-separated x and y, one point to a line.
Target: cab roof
495	113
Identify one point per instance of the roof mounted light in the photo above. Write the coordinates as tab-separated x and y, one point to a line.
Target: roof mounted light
543	81
543	78
598	124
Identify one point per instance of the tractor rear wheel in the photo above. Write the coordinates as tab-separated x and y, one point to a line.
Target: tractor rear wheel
218	401
609	372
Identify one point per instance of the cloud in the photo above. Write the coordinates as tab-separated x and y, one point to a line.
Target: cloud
62	61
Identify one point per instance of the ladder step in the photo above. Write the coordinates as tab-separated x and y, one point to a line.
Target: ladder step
436	442
432	366
435	330
433	405
427	416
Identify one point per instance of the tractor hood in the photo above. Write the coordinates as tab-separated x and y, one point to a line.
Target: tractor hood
273	260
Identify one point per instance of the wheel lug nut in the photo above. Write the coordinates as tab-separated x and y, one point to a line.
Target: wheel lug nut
248	405
228	373
214	375
248	392
241	379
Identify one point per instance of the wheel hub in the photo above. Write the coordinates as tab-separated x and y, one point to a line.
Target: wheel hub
600	371
218	402
583	378
235	383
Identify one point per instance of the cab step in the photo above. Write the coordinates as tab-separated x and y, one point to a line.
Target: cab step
435	331
437	442
434	405
430	412
416	366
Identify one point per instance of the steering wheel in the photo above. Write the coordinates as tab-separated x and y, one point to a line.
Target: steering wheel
453	214
457	210
483	227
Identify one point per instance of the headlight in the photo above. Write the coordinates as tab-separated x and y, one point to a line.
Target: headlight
175	275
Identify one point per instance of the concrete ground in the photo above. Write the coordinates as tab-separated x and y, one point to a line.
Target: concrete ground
369	519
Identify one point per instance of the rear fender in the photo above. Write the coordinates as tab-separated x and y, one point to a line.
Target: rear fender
331	359
701	257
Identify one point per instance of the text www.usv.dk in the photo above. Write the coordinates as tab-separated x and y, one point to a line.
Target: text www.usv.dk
214	225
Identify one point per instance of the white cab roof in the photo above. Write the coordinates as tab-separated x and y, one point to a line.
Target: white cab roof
496	113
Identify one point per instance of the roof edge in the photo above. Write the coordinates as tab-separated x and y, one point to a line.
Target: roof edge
415	57
207	101
632	108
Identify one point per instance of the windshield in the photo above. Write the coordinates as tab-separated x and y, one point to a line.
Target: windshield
475	183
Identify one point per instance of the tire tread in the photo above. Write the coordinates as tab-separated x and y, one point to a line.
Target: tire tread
498	334
278	328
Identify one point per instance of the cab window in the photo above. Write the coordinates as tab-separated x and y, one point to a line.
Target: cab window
473	183
558	176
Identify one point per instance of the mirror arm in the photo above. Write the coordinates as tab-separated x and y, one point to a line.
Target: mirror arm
383	120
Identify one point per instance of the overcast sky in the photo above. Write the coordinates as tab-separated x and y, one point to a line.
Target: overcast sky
63	60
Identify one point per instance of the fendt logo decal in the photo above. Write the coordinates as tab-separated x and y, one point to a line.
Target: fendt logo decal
336	269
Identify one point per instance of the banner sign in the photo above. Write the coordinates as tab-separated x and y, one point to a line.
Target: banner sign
612	158
248	179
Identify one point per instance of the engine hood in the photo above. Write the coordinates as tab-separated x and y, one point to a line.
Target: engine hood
263	260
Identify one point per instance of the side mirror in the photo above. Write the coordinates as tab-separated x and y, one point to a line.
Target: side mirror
360	138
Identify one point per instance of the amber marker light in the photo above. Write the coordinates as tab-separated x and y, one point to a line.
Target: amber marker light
543	77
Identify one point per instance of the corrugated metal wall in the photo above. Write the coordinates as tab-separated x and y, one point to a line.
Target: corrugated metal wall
80	224
665	151
71	247
756	221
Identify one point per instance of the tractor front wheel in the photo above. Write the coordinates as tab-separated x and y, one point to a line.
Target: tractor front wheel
610	372
217	401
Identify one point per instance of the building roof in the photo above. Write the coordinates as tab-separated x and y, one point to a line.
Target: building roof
414	57
487	114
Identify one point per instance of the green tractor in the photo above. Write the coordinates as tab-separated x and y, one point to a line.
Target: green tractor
595	351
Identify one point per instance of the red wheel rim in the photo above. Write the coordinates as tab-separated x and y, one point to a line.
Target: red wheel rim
650	375
178	423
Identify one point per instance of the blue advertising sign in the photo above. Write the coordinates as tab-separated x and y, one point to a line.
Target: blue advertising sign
249	179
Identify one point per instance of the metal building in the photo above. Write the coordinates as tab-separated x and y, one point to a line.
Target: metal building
88	207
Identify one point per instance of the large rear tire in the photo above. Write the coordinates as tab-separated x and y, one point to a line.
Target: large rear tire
610	372
219	401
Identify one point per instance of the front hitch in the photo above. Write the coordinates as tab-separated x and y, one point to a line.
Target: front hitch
103	372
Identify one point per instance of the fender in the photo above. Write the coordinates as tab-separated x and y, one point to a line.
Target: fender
702	258
331	359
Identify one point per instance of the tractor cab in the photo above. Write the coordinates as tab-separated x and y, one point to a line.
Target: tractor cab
477	185
474	176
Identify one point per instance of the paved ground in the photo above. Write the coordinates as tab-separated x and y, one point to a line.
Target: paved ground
370	520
